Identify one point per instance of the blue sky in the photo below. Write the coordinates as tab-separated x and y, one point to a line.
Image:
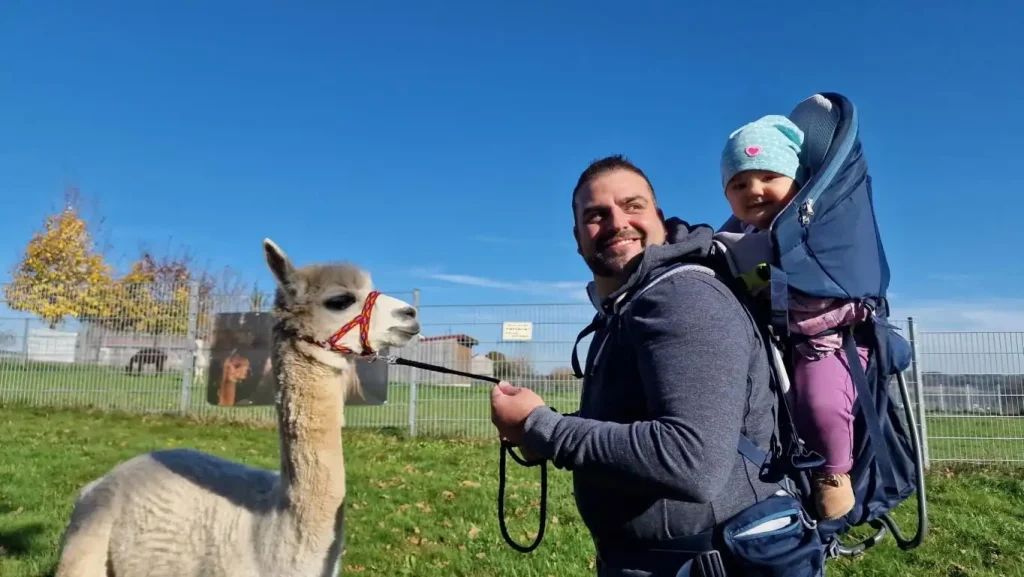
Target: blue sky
437	143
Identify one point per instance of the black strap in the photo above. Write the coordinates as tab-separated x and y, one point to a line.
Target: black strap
779	291
656	557
592	327
751	452
506	449
876	440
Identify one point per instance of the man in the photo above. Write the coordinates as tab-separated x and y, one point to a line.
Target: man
670	383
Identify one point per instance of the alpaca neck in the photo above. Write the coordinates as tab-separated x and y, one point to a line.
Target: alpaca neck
310	420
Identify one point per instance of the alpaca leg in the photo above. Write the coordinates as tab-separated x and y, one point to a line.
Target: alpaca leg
86	541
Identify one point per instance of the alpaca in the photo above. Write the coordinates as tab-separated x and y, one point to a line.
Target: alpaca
236	369
201	362
184	513
148	356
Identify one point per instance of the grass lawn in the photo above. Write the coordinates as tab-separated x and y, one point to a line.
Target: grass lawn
426	506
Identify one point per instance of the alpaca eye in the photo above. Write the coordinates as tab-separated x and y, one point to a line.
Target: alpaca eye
340	302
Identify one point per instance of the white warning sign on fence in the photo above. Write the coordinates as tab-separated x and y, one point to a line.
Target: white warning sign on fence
516	331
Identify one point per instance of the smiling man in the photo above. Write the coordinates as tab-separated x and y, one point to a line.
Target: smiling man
675	373
616	217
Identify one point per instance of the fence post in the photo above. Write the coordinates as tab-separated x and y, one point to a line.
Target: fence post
412	373
188	364
922	423
24	341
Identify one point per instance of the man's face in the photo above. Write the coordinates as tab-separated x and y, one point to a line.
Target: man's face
616	218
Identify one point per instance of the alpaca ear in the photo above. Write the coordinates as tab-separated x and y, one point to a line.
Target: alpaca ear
280	265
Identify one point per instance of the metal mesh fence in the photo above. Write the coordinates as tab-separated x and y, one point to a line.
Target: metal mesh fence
973	391
146	349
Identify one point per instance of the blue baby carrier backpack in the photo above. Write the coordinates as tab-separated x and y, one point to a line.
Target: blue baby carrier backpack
825	244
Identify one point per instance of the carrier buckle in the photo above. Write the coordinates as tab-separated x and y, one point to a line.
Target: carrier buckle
707	564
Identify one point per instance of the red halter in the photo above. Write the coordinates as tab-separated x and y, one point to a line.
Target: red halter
363	322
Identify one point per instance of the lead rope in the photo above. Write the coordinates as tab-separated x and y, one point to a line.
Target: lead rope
506	449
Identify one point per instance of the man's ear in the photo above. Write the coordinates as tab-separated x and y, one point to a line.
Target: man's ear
661	215
576	235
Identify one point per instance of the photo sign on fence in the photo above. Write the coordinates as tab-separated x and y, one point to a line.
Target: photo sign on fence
240	368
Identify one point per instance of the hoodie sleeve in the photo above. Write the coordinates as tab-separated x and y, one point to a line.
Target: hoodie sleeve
693	344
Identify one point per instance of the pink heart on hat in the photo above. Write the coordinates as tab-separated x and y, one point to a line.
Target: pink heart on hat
753	150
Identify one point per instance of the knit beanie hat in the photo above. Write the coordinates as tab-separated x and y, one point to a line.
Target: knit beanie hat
771	142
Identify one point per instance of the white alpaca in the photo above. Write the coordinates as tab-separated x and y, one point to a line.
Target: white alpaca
201	363
184	513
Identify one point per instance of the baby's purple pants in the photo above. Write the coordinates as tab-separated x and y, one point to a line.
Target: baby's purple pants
823	411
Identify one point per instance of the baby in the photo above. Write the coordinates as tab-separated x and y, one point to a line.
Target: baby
761	173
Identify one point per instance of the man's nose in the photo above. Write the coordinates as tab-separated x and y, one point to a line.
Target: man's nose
619	219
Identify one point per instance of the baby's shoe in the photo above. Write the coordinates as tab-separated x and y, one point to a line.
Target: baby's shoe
834	494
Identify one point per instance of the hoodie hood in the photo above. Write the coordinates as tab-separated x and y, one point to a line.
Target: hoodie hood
683	243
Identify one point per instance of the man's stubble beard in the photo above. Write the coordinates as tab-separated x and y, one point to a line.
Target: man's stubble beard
603	268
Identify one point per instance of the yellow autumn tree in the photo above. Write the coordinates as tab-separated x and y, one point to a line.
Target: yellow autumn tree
61	274
153	296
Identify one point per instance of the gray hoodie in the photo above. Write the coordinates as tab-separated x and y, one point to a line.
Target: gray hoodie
680	374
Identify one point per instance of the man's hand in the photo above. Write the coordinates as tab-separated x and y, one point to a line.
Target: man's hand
510	405
528	455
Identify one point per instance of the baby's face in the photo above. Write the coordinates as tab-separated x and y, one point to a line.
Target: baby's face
756	196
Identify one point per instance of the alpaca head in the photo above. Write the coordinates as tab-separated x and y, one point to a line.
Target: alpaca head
236	368
316	302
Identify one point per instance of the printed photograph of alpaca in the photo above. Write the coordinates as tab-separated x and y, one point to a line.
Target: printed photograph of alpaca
239	359
241	366
148	356
236	369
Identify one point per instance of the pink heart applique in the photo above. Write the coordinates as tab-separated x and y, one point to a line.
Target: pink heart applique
753	151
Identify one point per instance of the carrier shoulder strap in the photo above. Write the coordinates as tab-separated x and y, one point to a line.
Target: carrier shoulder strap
593	326
747	448
866	400
669	272
622	303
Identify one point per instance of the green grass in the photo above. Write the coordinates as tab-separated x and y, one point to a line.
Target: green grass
426	506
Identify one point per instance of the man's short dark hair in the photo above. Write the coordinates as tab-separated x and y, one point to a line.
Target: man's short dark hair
603	165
